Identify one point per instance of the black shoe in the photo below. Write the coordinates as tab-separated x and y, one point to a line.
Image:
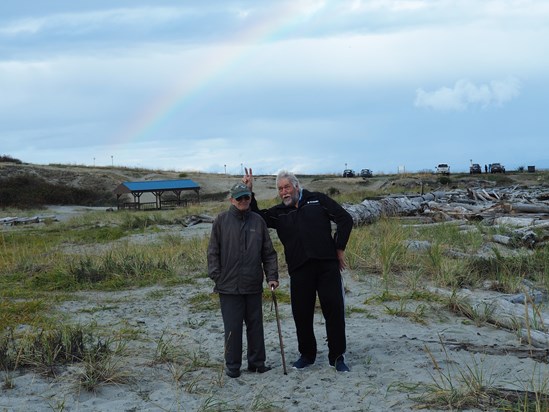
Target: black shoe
302	362
233	373
340	365
259	369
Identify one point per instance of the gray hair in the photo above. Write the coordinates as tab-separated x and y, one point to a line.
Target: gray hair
284	174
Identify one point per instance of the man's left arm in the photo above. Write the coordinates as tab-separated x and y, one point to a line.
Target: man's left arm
344	226
342	219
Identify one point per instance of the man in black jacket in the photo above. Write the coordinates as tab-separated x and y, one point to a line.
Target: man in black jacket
239	252
315	258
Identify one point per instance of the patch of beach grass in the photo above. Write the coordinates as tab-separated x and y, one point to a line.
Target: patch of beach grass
46	349
480	314
363	312
23	312
104	364
115	269
379	248
416	315
204	302
510	271
473	385
212	404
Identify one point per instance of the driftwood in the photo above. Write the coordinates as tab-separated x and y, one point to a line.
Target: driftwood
464	204
525	210
529	208
521	352
192	220
503	313
370	211
11	221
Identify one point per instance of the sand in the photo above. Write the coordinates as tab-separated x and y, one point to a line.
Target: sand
392	358
389	356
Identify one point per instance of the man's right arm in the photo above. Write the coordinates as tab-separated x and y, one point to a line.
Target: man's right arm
214	253
266	214
268	217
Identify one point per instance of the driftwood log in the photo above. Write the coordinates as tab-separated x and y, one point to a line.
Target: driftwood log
370	211
509	312
525	210
11	221
471	204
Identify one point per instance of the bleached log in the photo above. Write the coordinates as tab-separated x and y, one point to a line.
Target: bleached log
515	221
434	224
529	208
371	210
541	224
7	220
24	220
504	240
504	314
457	204
196	219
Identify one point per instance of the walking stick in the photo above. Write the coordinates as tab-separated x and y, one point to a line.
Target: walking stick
279	330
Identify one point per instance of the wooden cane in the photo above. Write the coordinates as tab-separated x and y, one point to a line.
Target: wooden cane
279	330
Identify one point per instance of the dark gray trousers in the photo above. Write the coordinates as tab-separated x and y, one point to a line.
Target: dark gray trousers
237	310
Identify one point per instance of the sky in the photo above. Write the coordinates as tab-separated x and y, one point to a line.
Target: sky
309	86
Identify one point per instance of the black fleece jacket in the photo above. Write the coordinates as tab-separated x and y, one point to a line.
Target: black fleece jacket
306	231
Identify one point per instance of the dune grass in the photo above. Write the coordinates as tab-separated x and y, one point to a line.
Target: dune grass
380	249
43	266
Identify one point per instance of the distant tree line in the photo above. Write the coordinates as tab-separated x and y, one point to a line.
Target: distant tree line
27	192
9	159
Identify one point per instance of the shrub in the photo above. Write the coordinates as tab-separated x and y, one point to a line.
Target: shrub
27	191
444	180
9	159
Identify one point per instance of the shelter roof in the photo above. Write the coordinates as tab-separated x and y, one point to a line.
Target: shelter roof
156	185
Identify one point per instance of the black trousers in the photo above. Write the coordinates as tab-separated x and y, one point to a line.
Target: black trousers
320	277
237	310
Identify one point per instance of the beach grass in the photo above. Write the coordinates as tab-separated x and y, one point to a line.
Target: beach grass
42	267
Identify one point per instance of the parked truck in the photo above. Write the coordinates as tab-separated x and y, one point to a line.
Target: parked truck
442	169
497	168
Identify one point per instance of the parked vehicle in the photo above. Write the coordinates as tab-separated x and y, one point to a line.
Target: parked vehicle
364	173
348	173
497	168
442	169
475	168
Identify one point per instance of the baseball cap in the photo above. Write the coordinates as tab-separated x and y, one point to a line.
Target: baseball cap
239	190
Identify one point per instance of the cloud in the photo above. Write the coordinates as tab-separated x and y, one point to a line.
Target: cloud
88	21
465	94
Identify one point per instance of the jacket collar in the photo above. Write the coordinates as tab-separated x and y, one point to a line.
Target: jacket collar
304	195
233	210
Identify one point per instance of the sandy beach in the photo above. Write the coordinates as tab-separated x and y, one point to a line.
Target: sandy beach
397	360
391	357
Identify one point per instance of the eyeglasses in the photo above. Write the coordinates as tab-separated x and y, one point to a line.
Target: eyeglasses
241	198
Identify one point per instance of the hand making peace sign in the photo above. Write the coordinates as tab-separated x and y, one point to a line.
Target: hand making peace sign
248	178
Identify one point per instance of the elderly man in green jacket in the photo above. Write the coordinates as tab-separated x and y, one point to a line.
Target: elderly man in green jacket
240	253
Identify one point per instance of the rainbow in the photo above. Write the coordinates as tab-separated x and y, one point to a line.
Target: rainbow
199	79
